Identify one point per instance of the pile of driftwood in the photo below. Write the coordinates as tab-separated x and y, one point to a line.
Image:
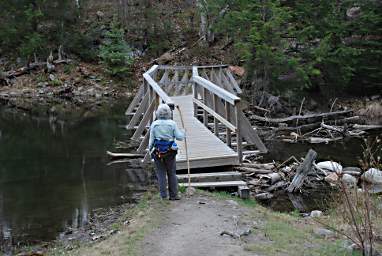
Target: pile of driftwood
328	133
294	175
312	128
48	66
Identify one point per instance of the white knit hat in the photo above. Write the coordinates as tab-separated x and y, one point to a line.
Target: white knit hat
163	112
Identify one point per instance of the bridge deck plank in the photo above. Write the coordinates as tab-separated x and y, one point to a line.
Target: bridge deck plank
204	148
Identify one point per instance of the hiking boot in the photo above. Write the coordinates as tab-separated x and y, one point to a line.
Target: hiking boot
174	198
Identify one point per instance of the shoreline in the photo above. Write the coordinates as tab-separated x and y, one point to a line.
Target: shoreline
151	215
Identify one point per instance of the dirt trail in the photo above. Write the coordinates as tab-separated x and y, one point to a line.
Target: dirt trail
193	225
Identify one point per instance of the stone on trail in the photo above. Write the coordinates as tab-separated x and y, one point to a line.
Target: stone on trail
330	166
316	214
323	232
373	176
232	202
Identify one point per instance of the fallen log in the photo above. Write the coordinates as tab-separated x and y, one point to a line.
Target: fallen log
269	166
123	155
333	128
253	170
366	127
317	140
300	117
308	127
24	70
271	178
263	196
276	186
297	201
302	171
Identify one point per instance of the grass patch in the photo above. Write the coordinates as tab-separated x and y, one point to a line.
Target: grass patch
182	189
227	196
285	234
143	218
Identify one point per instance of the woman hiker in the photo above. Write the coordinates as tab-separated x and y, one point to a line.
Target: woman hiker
163	149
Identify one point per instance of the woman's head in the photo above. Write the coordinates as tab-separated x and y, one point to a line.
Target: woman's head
163	112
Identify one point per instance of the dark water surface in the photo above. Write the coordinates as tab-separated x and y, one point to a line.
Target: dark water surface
348	151
44	185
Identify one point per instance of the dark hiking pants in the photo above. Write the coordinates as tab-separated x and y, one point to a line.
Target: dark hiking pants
166	166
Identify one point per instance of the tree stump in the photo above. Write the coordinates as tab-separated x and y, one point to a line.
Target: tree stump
302	171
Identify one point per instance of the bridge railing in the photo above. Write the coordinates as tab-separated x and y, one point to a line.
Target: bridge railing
215	92
221	104
148	98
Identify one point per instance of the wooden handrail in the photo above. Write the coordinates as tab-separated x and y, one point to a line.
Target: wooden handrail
227	96
213	66
154	85
215	115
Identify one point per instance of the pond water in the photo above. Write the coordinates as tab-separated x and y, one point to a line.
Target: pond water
52	175
348	151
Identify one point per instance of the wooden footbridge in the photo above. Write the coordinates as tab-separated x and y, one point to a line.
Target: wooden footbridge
209	98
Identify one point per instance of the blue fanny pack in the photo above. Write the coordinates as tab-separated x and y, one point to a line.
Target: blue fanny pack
163	146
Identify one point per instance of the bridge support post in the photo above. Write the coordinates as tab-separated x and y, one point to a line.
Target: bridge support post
216	124
238	134
228	117
195	92
205	113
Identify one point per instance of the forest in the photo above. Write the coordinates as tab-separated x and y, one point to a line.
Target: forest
286	47
272	142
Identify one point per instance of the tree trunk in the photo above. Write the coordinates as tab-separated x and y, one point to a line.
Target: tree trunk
302	171
203	28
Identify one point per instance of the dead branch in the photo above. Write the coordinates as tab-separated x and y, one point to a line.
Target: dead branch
33	66
302	171
299	117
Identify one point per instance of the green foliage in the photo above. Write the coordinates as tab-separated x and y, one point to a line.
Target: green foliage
115	54
182	189
29	27
68	69
83	45
56	82
33	44
295	45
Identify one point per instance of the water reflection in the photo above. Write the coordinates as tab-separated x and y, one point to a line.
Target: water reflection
53	174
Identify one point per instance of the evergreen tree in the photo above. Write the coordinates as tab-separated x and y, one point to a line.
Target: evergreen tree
294	45
30	27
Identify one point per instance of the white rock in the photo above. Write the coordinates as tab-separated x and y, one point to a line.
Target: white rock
324	232
316	214
232	202
349	180
330	166
373	176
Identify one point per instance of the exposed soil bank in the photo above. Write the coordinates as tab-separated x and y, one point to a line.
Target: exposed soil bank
80	88
211	224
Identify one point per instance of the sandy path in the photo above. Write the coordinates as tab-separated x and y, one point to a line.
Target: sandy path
193	229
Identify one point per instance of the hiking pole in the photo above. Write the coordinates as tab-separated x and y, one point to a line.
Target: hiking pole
190	190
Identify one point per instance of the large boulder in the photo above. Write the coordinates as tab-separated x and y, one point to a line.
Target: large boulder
355	171
373	176
349	180
330	166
